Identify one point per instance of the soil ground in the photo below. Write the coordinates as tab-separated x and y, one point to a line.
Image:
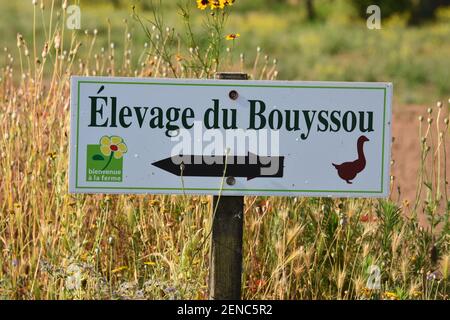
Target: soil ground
406	150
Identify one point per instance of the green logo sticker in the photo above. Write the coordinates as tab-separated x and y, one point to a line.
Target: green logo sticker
105	160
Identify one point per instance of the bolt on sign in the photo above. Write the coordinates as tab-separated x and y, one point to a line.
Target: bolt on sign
230	137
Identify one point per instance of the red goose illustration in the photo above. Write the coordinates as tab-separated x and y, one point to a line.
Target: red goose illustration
348	170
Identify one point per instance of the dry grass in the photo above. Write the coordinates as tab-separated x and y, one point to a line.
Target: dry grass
54	245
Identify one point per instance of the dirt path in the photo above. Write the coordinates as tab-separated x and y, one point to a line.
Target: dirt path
406	148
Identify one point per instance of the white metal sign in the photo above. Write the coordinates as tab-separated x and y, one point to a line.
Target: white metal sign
229	137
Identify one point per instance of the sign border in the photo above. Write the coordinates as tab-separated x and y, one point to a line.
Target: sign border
232	83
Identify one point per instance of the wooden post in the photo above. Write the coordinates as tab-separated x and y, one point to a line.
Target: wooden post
226	248
225	274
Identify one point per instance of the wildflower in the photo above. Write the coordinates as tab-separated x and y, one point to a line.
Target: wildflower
122	268
391	295
232	36
217	4
202	4
154	202
51	155
170	289
365	292
74	277
364	218
436	275
228	2
416	294
113	146
256	284
84	256
406	203
260	282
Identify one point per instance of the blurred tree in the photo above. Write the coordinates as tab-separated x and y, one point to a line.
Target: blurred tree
310	9
426	9
418	10
116	3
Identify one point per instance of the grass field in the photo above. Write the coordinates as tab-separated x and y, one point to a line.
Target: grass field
54	245
336	47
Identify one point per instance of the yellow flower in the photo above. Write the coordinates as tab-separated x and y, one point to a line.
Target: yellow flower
214	4
202	4
217	4
114	145
391	295
232	36
228	2
154	202
119	269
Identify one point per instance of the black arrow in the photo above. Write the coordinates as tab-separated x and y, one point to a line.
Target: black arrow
249	166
